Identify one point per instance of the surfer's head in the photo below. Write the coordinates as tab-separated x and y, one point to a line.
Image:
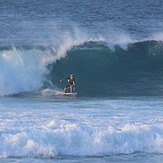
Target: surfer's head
72	76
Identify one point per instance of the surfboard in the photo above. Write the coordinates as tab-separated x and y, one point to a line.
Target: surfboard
51	92
70	94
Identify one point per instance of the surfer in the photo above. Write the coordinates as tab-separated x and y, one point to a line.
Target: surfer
71	83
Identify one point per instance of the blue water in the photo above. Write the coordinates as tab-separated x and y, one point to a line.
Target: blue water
115	50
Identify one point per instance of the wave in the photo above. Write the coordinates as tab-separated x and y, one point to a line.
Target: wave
61	138
22	69
99	68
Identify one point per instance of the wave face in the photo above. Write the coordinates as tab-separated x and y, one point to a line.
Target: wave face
100	69
104	70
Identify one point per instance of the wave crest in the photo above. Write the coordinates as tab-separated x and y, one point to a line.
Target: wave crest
100	68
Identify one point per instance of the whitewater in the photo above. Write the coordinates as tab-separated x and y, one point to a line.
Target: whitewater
81	129
115	50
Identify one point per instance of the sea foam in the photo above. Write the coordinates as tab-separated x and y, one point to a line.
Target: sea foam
62	138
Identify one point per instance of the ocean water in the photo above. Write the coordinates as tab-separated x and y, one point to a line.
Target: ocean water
115	50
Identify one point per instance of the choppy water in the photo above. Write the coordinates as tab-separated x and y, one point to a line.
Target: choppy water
115	50
81	129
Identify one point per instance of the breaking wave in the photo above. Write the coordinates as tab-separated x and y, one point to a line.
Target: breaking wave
100	68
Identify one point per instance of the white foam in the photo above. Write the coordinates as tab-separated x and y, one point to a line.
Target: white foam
23	70
60	137
51	92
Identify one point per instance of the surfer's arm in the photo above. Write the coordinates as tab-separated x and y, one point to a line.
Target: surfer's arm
63	79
